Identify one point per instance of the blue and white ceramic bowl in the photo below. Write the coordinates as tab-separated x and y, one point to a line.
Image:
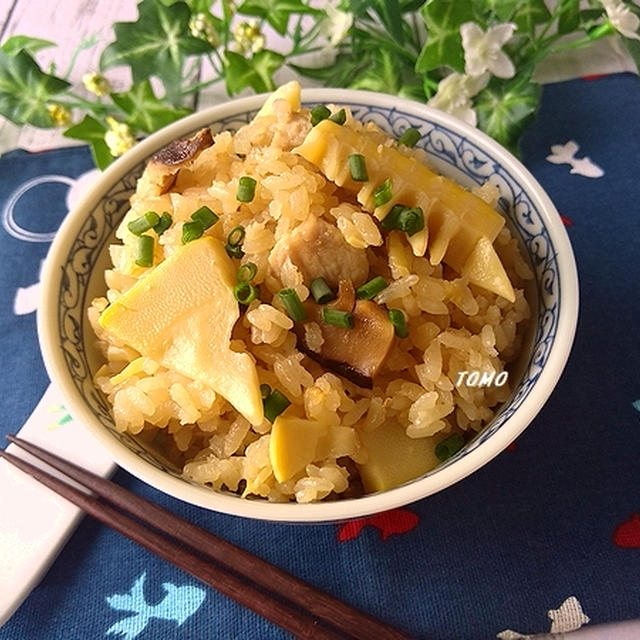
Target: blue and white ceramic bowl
74	275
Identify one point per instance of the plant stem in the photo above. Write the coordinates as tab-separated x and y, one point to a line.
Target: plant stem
201	85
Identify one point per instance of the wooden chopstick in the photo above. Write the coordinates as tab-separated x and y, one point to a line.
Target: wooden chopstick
286	600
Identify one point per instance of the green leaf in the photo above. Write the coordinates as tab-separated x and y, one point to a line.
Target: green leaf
501	9
256	72
265	64
444	44
275	12
506	108
91	131
146	112
529	14
382	73
569	16
390	14
157	44
31	45
199	6
339	74
25	89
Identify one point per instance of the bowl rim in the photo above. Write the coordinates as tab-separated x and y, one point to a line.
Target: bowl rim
318	512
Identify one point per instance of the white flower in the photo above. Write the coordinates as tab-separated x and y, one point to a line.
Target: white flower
455	93
336	25
622	18
483	49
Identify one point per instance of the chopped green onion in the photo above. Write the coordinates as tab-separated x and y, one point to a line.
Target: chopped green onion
191	231
410	137
234	242
205	217
164	223
371	289
319	113
245	292
339	117
247	272
321	291
358	167
234	251
412	220
246	189
144	251
337	317
236	236
274	404
382	193
449	447
407	219
265	391
399	322
292	304
390	221
143	223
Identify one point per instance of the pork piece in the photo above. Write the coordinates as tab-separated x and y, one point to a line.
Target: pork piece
162	169
319	250
357	353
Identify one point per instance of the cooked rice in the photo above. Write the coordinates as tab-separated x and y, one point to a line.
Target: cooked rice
454	326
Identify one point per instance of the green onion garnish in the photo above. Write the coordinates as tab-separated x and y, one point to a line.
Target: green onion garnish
247	272
382	193
144	251
321	291
205	217
164	223
449	446
407	219
337	317
191	231
245	292
409	137
292	304
246	189
234	251
274	404
265	391
319	113
339	117
358	167
234	242
399	322
371	289
412	220
143	223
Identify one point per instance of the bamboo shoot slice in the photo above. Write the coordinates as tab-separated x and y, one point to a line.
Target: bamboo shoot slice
181	314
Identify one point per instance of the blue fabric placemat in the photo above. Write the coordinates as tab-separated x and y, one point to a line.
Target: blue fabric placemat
544	538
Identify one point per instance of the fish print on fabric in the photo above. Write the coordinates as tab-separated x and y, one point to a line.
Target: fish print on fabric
388	523
569	616
179	604
627	533
565	154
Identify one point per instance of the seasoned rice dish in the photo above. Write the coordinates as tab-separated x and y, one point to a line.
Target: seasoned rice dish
304	310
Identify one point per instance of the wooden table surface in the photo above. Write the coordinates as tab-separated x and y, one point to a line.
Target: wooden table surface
68	22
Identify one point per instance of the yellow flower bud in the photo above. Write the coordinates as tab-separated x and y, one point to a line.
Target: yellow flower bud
118	138
201	27
248	37
96	83
61	116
